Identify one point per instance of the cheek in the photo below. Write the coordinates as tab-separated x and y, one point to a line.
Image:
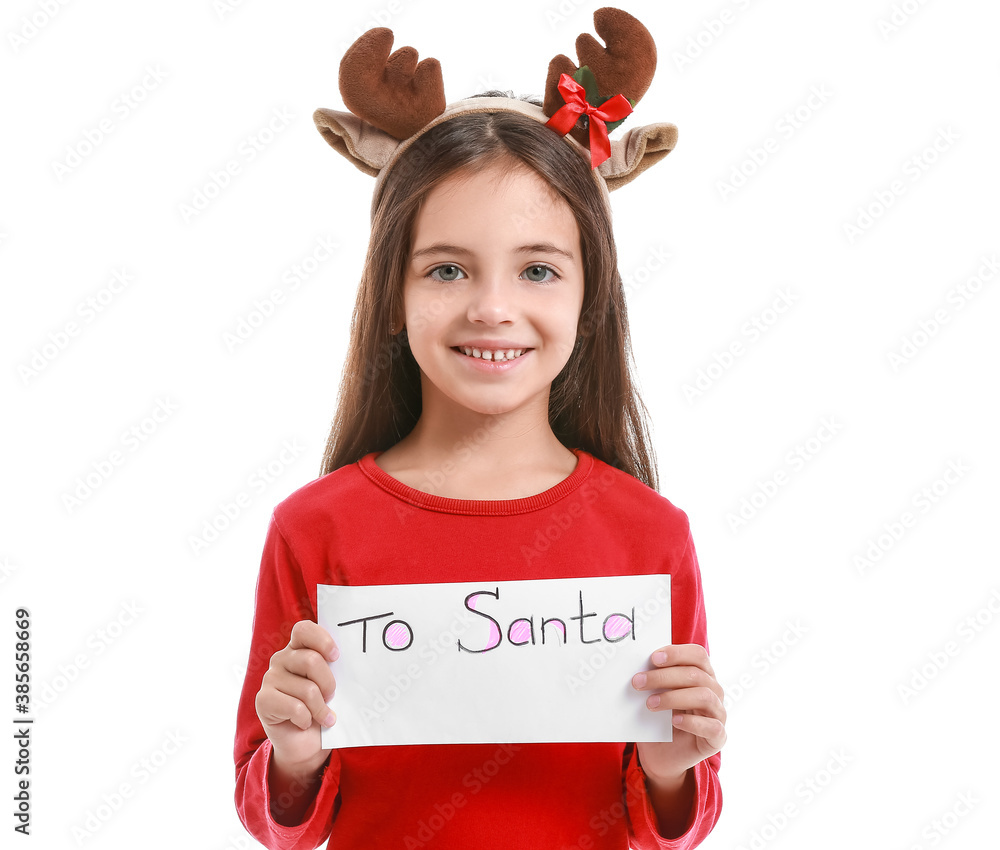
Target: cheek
564	323
561	340
428	329
428	312
418	319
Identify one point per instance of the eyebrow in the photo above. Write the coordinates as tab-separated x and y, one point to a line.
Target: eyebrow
536	248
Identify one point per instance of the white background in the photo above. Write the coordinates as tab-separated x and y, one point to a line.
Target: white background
112	687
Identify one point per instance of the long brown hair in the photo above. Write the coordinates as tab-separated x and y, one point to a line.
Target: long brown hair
593	403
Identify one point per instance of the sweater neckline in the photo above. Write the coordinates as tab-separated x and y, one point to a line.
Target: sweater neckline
479	507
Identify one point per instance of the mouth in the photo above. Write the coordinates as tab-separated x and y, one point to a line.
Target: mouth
498	356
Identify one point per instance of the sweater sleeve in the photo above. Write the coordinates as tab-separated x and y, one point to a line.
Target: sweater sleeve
282	599
688	624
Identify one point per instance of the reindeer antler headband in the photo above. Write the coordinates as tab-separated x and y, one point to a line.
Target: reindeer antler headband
393	100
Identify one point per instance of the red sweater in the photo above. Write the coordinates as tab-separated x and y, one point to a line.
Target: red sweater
359	525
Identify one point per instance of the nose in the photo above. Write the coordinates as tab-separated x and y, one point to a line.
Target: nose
492	298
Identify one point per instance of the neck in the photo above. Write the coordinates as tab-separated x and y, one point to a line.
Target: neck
454	449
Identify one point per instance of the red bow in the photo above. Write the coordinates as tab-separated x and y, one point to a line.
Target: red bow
576	103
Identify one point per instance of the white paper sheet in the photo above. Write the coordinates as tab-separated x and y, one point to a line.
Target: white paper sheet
493	662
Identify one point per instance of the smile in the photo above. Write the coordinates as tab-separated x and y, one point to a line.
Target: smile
498	356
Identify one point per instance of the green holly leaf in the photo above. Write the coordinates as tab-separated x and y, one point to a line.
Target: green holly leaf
585	77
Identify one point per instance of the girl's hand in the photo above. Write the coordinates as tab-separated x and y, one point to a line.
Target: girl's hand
682	680
291	702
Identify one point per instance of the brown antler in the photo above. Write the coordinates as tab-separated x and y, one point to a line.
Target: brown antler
626	66
393	93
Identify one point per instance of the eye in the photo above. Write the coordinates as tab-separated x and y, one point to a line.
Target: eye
446	273
536	274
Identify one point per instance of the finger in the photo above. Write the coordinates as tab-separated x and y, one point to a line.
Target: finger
702	701
683	654
309	635
275	707
709	728
309	664
306	691
670	678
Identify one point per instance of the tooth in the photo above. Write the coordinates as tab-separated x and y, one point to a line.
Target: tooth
498	356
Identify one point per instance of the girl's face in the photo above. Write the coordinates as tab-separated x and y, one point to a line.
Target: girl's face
495	265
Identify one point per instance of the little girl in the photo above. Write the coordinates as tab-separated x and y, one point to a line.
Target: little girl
486	398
